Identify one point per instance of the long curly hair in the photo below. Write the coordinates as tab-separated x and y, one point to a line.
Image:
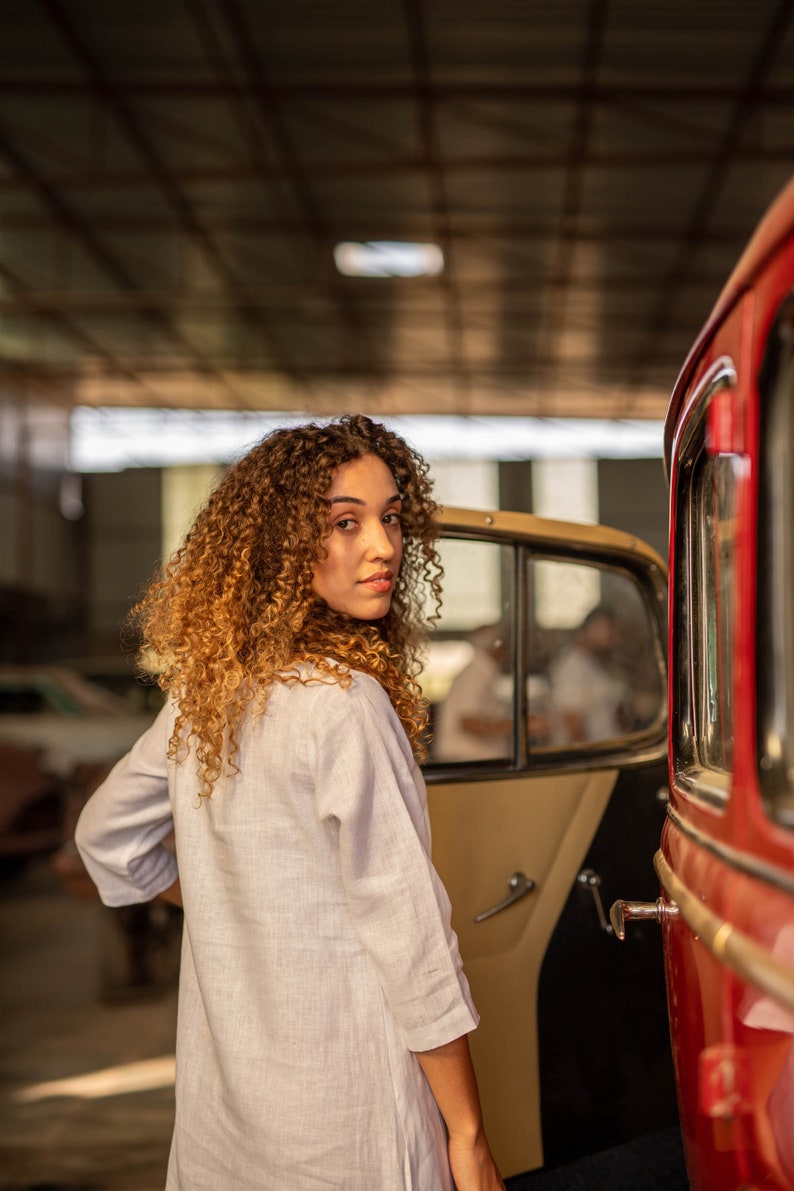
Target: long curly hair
234	610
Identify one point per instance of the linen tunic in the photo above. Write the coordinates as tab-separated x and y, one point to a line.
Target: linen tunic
317	951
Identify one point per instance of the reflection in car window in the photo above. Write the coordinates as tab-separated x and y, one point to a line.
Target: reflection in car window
595	671
469	667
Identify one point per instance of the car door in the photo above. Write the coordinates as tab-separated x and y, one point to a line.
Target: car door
544	779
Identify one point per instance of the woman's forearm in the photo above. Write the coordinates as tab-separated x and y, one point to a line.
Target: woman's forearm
450	1074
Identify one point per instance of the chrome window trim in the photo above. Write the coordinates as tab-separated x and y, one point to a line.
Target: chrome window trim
695	780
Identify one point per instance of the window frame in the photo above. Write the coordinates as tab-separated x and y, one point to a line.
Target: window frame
638	748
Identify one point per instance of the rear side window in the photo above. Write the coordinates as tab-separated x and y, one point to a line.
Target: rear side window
704	616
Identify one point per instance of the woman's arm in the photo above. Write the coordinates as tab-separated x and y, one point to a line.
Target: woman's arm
450	1073
122	828
172	894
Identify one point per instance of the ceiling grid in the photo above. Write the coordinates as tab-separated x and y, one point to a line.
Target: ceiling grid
174	179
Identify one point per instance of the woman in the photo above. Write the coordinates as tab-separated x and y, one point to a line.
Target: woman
323	1011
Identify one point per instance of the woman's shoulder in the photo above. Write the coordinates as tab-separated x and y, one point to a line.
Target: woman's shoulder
339	691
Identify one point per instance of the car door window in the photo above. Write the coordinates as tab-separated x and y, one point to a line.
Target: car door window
595	672
537	660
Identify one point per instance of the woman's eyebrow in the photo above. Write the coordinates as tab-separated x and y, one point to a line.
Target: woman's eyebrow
354	500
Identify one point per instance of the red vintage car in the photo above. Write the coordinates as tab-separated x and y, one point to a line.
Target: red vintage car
726	861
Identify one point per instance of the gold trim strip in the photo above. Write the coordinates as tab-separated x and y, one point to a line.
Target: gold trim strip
730	946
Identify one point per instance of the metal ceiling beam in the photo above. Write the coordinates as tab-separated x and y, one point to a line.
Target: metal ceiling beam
51	86
588	367
186	217
244	171
466	227
295	299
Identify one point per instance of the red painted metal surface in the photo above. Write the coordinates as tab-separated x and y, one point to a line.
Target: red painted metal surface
733	1045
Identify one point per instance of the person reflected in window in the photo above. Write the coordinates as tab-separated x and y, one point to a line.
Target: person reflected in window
585	693
474	722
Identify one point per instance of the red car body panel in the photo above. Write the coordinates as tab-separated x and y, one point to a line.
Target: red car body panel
733	1042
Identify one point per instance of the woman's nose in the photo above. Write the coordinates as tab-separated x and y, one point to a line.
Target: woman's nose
379	543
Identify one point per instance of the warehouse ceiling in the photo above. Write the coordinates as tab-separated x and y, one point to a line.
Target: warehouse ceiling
175	175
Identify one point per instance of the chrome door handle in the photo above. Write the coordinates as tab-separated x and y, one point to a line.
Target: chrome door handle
623	912
519	885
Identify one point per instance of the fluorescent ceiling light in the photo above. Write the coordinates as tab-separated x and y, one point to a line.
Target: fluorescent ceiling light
109	439
388	258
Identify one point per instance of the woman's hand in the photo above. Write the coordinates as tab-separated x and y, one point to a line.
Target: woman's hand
472	1165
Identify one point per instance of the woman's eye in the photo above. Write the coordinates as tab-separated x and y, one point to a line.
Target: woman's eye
391	519
345	523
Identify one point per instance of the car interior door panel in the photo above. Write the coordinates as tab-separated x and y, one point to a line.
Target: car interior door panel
545	675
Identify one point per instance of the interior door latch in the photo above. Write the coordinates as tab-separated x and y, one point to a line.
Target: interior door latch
519	885
588	878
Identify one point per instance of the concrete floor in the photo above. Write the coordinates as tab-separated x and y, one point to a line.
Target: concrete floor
54	1025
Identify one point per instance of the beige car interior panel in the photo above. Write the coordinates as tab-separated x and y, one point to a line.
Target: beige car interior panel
483	832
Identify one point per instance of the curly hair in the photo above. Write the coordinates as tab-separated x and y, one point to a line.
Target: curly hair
234	609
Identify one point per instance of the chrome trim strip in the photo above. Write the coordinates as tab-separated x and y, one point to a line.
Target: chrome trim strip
729	946
436	772
740	861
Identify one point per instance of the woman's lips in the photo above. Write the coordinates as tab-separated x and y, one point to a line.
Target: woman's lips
380	582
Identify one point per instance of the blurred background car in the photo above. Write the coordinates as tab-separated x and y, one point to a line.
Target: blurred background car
68	719
60	734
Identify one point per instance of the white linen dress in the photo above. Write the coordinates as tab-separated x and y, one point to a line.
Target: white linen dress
317	953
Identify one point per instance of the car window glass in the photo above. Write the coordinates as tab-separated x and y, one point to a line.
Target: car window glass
712	599
595	671
468	673
704	618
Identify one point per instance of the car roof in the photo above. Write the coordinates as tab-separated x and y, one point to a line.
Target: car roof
776	226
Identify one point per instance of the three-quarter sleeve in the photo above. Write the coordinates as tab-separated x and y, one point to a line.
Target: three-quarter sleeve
369	787
121	828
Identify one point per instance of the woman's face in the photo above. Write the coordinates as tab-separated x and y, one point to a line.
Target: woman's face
365	546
